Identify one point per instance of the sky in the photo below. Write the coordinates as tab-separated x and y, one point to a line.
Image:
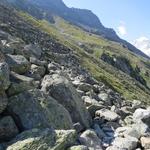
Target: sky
129	18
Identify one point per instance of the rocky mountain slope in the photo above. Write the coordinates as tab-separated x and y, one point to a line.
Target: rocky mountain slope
80	17
62	88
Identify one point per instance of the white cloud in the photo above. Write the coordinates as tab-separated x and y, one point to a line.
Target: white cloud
143	43
122	30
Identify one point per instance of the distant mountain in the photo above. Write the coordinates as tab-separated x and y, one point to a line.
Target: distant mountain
81	17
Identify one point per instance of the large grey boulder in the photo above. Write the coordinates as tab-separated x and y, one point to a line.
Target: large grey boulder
63	91
37	110
4	76
18	63
91	140
43	139
8	129
3	101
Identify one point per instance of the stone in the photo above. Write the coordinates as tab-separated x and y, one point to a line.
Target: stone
63	91
78	127
78	147
142	115
145	142
100	133
37	62
43	139
84	87
18	63
37	72
32	51
37	110
19	83
3	101
127	131
91	140
8	129
107	114
4	76
128	143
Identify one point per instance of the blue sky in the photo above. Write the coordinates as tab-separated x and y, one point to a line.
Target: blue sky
129	18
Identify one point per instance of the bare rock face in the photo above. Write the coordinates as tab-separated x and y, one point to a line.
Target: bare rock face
3	101
63	91
37	110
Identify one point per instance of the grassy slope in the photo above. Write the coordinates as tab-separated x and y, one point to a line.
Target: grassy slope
73	37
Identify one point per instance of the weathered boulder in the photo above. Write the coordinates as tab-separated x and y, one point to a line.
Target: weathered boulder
91	140
78	147
4	76
107	114
8	129
32	51
37	110
128	143
43	139
19	83
142	115
3	101
63	91
18	63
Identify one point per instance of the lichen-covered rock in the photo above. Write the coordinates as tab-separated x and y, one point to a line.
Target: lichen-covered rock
36	110
79	147
4	76
8	129
43	139
3	101
63	91
18	63
19	83
91	140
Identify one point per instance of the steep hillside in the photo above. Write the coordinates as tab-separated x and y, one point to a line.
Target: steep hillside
79	17
62	88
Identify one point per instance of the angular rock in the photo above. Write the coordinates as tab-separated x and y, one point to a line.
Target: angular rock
142	115
63	91
36	61
4	76
145	142
8	129
43	139
107	114
18	63
37	110
79	147
128	143
91	140
20	83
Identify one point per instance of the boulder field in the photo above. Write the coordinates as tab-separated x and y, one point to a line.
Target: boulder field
52	103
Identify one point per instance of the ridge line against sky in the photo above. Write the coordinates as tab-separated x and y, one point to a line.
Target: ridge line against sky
130	19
